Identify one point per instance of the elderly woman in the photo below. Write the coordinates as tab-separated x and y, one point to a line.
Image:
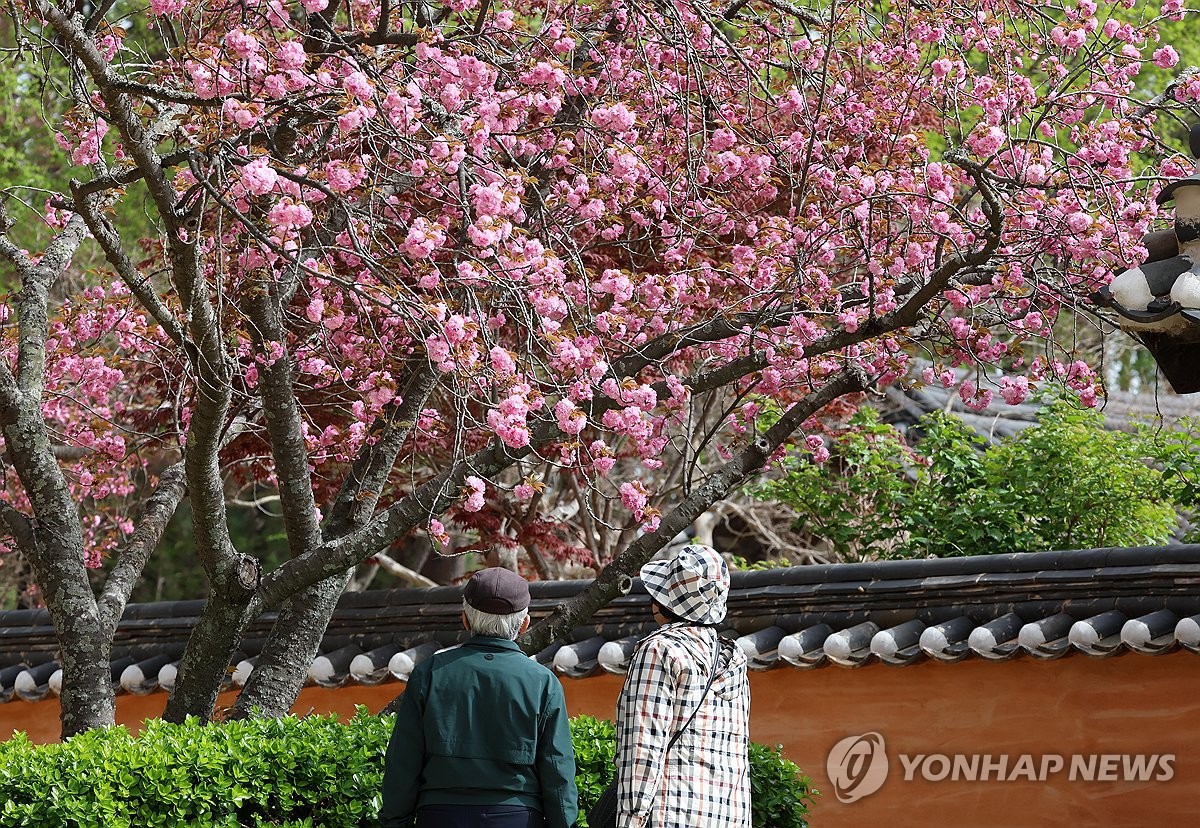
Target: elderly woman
683	667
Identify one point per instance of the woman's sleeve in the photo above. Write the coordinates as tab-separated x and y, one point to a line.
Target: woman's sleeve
645	711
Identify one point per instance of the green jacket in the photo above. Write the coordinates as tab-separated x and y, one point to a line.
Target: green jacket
482	724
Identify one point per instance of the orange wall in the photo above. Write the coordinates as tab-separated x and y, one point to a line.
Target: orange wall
1077	705
40	719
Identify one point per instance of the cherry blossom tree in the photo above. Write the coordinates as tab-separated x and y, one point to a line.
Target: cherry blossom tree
544	278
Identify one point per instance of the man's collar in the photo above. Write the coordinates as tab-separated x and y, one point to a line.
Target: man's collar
487	642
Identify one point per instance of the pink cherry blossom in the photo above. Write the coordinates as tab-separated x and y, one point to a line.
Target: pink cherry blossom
438	533
1014	390
600	219
358	85
1165	57
475	491
258	178
166	7
634	496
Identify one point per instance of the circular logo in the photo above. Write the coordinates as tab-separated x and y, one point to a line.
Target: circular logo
857	766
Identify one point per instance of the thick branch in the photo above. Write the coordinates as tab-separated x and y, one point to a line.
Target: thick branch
721	483
356	500
214	372
285	427
161	93
152	524
431	498
57	559
125	176
303	617
139	284
20	527
33	316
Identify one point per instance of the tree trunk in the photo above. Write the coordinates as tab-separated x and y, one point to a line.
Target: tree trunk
296	636
87	699
205	661
294	642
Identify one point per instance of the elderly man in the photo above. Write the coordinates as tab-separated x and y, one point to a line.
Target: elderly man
481	736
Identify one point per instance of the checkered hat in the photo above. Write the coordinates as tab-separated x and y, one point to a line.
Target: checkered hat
694	584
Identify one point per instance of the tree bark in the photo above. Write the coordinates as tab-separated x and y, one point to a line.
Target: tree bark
205	661
56	554
52	539
295	637
294	641
152	524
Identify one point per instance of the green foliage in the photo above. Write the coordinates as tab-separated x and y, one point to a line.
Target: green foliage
780	793
595	746
744	564
1064	483
312	771
34	96
841	502
289	773
1177	456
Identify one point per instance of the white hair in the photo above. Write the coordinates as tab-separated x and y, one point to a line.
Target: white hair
496	626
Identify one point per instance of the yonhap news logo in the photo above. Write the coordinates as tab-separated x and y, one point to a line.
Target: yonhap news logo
858	766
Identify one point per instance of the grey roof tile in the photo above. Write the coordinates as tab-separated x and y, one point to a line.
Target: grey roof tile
1099	635
947	641
581	659
141	678
997	639
1047	638
851	647
1187	633
805	649
762	647
402	663
614	656
1152	634
899	644
1046	605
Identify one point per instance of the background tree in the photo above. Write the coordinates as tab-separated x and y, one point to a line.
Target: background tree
1063	483
520	273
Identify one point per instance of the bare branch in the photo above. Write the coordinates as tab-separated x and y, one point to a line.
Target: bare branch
109	239
125	176
394	567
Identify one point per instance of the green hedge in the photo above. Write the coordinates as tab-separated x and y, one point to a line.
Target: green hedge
313	772
780	794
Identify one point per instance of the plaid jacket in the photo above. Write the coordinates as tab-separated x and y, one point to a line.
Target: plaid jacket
704	782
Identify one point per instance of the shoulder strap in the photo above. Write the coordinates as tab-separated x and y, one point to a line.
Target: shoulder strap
711	677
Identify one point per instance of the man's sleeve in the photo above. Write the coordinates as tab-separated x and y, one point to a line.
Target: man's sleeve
556	763
405	758
645	711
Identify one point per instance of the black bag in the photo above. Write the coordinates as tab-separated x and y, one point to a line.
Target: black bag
604	813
